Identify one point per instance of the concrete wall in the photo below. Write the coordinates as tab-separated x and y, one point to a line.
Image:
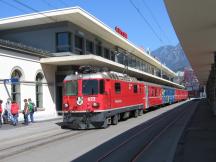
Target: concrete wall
29	67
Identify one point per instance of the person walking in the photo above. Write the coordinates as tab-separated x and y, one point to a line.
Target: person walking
1	110
26	112
14	112
31	106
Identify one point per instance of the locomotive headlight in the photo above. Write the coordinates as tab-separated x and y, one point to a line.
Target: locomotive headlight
95	104
66	105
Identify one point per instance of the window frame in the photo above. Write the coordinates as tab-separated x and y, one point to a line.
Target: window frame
135	88
68	46
117	87
86	44
78	50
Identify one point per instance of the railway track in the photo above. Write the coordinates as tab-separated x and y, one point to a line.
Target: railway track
15	149
132	145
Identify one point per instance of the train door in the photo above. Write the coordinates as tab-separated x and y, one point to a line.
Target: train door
146	97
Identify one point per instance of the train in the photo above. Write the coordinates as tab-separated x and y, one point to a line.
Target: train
96	100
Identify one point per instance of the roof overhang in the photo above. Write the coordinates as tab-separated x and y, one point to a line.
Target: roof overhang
88	22
102	62
195	24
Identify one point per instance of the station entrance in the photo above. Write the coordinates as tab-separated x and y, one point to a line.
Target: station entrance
61	73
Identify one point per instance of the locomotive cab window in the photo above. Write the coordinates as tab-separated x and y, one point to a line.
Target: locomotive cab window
102	87
135	88
117	87
90	87
71	88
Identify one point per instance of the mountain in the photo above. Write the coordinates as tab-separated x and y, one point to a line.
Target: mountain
173	56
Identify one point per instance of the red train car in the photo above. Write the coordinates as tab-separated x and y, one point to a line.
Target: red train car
154	95
95	100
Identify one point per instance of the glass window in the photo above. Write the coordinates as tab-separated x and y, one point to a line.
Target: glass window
117	87
133	62
106	53
15	88
39	90
99	50
130	61
120	57
135	88
71	88
78	45
112	56
89	47
63	42
102	87
90	87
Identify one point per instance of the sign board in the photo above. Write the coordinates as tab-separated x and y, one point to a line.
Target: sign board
11	81
122	33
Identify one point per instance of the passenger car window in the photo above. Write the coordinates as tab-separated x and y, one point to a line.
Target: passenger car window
117	87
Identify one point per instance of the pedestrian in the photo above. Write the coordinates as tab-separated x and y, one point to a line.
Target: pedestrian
14	112
31	107
1	110
7	112
26	112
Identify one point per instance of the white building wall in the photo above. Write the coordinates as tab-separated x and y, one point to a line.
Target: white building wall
29	66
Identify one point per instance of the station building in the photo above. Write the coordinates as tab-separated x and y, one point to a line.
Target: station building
40	49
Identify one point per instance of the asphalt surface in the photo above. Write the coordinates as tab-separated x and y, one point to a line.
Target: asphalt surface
153	141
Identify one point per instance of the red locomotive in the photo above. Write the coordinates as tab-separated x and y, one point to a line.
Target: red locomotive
95	100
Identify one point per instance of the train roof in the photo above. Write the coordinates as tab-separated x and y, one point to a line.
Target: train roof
111	75
102	75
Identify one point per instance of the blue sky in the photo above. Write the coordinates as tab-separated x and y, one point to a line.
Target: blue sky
113	13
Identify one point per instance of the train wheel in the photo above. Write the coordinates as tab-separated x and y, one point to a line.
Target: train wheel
115	120
136	113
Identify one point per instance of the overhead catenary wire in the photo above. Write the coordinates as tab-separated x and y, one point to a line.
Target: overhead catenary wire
146	21
49	4
155	20
13	6
38	12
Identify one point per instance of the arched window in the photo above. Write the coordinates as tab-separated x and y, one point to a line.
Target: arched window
15	88
39	90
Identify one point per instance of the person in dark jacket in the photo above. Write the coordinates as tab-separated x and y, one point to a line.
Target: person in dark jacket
14	112
26	112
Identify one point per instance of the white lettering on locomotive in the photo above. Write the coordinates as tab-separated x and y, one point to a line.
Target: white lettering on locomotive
91	99
118	101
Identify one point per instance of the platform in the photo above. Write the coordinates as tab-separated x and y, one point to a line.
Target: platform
198	142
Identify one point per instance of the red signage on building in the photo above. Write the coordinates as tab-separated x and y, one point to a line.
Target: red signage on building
118	30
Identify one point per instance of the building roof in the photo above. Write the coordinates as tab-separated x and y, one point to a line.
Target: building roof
194	23
85	20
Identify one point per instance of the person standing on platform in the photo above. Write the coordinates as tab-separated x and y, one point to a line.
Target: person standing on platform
31	106
14	112
26	112
1	110
7	112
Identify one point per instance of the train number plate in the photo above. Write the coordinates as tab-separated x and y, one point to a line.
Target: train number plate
91	98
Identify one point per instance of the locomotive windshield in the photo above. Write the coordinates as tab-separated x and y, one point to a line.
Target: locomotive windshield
90	87
71	88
